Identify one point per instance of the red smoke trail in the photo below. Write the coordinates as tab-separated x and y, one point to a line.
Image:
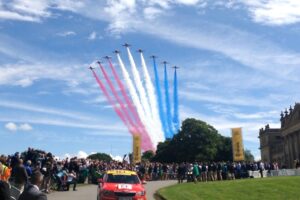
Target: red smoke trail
111	101
127	99
145	145
114	92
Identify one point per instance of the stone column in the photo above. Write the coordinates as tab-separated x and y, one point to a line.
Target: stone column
293	148
286	152
290	147
296	145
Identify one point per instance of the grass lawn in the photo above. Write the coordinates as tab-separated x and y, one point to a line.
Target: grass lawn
282	188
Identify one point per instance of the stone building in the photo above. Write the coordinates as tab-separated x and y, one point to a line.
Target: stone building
271	145
290	130
282	145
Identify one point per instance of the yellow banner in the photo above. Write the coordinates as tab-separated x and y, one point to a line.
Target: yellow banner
237	144
137	149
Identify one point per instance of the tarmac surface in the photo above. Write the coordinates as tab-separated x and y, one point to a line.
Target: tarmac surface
89	192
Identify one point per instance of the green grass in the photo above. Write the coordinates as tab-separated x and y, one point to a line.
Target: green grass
282	188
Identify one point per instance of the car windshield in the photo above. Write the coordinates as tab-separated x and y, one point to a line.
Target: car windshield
131	179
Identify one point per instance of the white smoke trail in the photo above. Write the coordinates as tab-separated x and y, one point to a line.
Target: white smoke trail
143	97
139	85
152	97
136	101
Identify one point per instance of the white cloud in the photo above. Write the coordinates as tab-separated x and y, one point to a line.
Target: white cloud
16	16
224	123
25	127
122	13
71	5
46	110
62	122
25	10
117	158
66	33
11	126
152	12
274	12
93	35
243	47
24	75
82	154
67	155
188	2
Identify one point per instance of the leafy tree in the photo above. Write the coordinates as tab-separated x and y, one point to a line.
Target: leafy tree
224	149
100	156
248	156
197	140
148	155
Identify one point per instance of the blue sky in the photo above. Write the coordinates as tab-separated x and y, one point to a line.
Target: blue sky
239	66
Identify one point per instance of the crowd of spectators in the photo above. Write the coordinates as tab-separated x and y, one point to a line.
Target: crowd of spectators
203	171
19	169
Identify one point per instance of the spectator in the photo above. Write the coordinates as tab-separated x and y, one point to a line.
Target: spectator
47	171
4	190
72	179
181	172
204	172
32	191
195	172
28	168
261	169
4	185
19	180
5	171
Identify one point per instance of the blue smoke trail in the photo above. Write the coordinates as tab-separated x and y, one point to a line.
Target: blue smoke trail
175	99
168	104
160	101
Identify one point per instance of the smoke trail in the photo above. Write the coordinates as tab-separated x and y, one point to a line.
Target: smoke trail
151	93
136	101
127	99
145	145
144	101
111	101
139	128
162	115
168	104
115	94
139	86
175	99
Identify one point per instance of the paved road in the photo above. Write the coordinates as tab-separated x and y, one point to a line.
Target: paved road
88	192
153	186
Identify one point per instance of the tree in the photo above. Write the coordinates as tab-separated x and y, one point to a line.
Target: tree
148	155
100	156
248	156
197	141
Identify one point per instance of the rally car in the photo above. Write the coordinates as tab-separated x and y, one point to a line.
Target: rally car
120	185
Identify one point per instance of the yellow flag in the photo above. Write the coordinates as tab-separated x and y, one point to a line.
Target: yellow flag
237	144
136	149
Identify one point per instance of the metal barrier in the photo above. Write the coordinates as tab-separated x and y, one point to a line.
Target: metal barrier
281	172
285	172
256	174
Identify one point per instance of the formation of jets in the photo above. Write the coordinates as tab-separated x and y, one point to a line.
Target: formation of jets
139	50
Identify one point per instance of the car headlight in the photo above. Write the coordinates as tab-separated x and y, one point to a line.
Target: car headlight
108	193
141	193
